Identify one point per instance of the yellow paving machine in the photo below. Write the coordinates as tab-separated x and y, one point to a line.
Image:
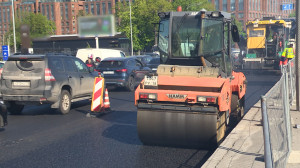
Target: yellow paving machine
266	40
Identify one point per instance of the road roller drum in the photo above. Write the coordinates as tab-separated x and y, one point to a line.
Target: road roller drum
182	129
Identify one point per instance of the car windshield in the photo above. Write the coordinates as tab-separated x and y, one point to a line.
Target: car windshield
155	61
190	39
185	36
110	64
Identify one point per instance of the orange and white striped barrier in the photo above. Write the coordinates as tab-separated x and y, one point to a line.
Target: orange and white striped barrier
106	100
97	100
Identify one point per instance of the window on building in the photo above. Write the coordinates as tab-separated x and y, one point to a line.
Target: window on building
241	5
52	12
98	8
74	29
232	5
8	14
224	6
4	15
72	5
74	22
217	2
258	5
66	11
61	10
109	8
0	17
92	9
47	12
250	6
103	8
86	8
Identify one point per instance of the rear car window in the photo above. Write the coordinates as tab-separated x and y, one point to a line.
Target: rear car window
35	66
146	59
155	61
56	65
110	64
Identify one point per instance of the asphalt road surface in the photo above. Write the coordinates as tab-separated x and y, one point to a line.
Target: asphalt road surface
42	138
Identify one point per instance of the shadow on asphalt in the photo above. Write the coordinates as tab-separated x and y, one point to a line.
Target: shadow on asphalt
123	133
46	109
237	151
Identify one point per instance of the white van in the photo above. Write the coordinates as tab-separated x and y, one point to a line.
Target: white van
100	52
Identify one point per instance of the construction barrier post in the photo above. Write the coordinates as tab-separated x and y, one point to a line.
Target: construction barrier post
97	99
106	101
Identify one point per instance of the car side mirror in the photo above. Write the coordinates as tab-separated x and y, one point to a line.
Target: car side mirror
235	33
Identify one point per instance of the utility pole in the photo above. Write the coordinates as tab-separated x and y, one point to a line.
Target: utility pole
130	29
14	28
297	55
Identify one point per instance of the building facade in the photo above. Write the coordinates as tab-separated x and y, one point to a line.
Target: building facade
248	10
63	12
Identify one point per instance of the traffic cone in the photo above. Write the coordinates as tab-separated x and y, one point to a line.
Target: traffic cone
106	100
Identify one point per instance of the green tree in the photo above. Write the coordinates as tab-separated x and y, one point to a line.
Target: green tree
193	5
293	14
240	27
143	16
39	25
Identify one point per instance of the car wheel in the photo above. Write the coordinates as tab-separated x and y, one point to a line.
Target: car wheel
64	102
15	109
130	84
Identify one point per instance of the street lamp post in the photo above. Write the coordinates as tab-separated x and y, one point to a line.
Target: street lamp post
14	28
130	28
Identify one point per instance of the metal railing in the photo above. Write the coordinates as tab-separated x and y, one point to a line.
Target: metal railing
276	120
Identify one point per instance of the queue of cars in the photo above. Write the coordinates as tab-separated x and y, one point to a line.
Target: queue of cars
59	79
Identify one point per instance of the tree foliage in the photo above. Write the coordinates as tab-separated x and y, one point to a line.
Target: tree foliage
293	14
39	25
143	18
193	5
240	27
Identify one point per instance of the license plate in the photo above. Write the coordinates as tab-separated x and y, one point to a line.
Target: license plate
150	80
108	72
154	69
21	84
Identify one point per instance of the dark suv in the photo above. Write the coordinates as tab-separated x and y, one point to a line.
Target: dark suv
123	71
55	79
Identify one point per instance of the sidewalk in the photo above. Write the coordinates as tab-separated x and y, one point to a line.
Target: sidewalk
244	146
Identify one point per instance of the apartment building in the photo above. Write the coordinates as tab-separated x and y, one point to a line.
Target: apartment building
247	10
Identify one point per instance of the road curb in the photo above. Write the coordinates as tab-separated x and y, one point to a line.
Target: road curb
244	146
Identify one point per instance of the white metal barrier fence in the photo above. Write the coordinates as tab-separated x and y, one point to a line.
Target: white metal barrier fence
275	107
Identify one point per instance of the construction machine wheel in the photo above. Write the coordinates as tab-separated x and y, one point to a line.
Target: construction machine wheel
241	112
180	129
237	109
221	128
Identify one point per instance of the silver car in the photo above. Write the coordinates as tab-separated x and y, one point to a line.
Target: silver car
45	79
